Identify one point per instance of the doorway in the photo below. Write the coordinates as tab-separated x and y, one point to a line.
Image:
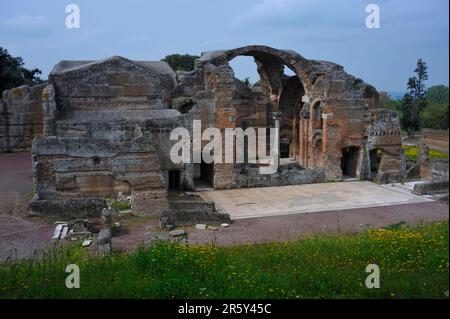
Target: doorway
204	174
174	180
349	161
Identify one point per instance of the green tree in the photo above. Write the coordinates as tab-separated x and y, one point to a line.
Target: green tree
246	82
13	73
414	101
435	116
181	62
437	94
436	112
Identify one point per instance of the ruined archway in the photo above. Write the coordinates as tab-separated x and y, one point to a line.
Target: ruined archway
318	99
269	57
283	93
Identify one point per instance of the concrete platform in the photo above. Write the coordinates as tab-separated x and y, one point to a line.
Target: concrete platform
297	199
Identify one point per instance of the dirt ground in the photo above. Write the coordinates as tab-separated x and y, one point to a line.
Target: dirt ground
15	182
291	227
21	236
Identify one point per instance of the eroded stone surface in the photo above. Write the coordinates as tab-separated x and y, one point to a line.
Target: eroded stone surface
20	117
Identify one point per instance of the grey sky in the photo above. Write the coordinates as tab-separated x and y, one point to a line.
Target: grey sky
323	30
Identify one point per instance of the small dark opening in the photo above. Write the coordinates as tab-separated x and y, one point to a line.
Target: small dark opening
349	161
96	160
185	108
206	172
174	180
284	148
375	160
204	175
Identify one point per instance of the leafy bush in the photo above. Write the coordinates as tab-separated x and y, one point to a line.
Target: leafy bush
412	153
181	62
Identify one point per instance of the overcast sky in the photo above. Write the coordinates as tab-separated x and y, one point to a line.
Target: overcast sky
332	30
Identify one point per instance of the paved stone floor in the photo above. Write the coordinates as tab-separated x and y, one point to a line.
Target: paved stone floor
285	200
21	238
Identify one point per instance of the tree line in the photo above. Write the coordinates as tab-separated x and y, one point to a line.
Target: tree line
420	107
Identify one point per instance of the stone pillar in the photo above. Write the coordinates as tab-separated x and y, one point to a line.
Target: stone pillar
425	165
304	116
245	168
49	110
294	144
105	235
300	138
277	117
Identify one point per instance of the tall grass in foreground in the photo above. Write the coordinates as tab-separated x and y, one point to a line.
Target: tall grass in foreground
413	263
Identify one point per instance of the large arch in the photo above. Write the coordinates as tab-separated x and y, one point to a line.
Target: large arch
284	92
263	54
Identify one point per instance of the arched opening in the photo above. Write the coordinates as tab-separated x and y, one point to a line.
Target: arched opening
317	150
316	118
273	100
270	87
289	104
245	70
186	107
251	99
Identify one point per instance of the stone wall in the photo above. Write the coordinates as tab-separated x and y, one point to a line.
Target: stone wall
384	146
285	176
431	170
185	213
20	117
98	139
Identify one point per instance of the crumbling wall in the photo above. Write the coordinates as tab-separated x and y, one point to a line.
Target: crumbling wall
20	117
431	170
98	137
384	146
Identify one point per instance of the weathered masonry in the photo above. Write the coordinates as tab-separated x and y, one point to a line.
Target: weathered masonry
20	117
106	128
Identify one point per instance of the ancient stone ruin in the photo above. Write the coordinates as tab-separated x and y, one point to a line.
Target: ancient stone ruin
106	128
20	117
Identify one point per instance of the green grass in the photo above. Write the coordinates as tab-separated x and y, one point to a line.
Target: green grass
413	263
412	153
118	204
